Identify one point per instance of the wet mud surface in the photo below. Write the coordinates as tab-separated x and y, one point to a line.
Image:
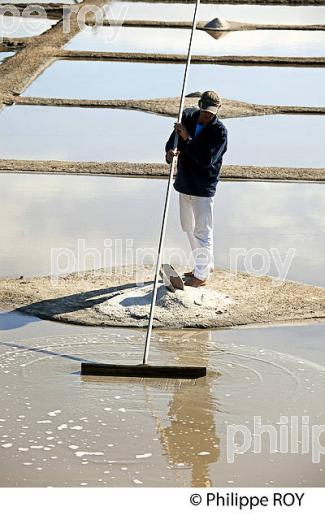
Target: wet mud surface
11	44
60	429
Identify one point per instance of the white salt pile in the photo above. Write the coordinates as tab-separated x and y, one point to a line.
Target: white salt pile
218	23
182	308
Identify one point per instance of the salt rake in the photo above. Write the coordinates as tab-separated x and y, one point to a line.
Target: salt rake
146	370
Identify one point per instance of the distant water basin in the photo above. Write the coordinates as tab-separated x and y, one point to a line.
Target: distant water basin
22	27
130	80
175	41
94	134
266	14
277	140
4	55
78	134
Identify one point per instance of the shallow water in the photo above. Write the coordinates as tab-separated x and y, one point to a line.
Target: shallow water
175	41
80	134
243	13
127	212
4	55
120	432
21	27
94	134
127	80
276	140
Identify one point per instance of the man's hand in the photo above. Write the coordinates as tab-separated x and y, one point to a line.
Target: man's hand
170	154
181	130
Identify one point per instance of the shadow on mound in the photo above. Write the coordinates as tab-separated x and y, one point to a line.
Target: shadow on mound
56	308
128	305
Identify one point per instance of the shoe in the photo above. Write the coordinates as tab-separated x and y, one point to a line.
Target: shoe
195	282
191	273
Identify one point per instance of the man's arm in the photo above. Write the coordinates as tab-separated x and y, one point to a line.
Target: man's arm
170	149
170	142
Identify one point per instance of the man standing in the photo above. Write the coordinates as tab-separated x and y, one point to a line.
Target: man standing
201	146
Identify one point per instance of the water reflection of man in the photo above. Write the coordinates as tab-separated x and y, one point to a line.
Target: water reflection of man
191	437
201	146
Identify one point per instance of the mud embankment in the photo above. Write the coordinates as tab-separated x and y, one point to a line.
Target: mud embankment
77	298
203	26
159	170
272	61
169	106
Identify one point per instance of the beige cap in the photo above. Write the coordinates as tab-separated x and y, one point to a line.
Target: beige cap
210	102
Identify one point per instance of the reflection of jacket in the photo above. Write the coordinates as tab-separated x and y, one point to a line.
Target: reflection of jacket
200	160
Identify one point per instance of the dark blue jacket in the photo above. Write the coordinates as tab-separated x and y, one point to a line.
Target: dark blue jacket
200	160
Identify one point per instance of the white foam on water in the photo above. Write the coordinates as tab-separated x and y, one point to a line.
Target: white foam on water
144	456
54	413
84	453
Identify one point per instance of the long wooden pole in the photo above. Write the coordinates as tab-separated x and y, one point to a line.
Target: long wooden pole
169	187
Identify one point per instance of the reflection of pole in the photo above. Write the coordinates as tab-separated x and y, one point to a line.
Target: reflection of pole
159	427
192	428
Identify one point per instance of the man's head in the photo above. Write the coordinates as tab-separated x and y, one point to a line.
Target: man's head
209	104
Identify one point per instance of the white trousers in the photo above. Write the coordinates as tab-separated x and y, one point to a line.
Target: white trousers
196	215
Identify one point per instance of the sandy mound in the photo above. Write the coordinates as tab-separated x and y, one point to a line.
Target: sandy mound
113	299
128	305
